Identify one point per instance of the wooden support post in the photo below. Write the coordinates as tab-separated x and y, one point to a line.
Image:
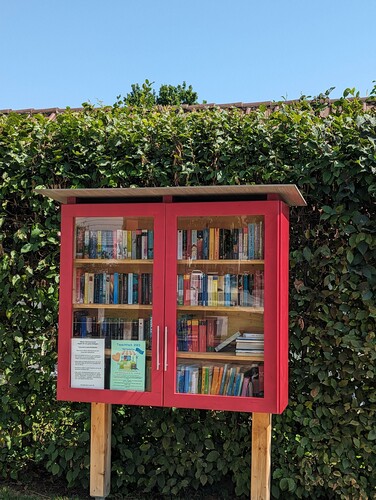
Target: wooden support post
261	456
100	450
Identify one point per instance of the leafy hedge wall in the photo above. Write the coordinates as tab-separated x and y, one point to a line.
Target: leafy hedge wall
324	444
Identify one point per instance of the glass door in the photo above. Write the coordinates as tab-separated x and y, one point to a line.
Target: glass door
115	344
218	320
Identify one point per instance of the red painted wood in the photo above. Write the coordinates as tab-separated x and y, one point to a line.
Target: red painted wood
283	273
165	216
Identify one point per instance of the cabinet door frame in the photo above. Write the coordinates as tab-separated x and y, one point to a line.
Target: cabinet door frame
68	214
275	215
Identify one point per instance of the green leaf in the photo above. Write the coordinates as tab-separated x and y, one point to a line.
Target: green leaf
284	484
349	256
209	444
372	435
212	456
84	436
69	454
127	453
27	248
307	254
203	479
55	469
300	451
362	247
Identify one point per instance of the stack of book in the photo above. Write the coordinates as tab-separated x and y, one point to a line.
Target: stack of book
248	344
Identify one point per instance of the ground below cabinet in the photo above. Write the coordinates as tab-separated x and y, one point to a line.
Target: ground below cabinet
175	304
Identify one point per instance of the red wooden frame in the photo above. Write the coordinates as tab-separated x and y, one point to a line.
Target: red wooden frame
165	216
275	306
69	213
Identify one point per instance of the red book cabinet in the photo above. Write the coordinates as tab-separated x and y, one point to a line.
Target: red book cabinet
175	296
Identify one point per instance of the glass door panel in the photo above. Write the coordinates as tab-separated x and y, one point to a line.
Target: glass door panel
220	306
111	338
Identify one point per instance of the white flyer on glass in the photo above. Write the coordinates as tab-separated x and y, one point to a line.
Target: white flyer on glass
87	364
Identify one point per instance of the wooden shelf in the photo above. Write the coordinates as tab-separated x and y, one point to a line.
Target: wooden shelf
227	309
112	262
113	306
219	356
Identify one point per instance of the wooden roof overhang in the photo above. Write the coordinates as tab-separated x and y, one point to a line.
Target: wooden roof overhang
289	193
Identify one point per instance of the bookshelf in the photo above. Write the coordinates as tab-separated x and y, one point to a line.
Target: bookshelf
151	291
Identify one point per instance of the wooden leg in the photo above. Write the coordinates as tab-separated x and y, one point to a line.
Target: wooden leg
261	456
100	450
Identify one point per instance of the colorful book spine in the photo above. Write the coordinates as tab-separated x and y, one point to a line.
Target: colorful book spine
80	237
116	288
150	244
202	337
224	379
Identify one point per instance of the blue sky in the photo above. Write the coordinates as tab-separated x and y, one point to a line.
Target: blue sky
63	53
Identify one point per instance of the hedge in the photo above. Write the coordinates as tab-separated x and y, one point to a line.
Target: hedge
324	444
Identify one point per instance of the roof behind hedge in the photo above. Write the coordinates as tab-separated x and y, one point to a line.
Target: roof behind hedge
248	107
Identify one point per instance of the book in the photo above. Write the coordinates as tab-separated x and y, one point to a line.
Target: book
202	340
116	288
195	335
150	244
141	335
227	341
80	235
187	289
210	333
129	244
221	290
200	237
245	386
86	244
250	343
223	379
144	244
194	244
119	244
230	385
238	383
130	288
124	244
195	287
205	244
180	289
79	288
90	291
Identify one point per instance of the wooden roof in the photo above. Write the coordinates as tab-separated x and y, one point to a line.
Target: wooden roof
289	193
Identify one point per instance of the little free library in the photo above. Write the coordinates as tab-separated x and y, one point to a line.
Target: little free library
174	297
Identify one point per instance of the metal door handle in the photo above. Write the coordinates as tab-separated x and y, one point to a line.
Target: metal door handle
165	349
158	361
